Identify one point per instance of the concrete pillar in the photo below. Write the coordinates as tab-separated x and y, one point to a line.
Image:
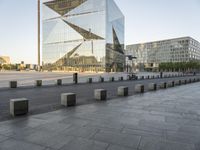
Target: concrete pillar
178	82
100	94
19	106
68	99
163	85
139	88
121	78
122	91
38	83
128	77
171	84
185	81
75	78
101	79
89	80
152	87
59	82
112	79
13	84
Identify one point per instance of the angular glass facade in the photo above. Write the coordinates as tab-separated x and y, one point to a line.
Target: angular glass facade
83	35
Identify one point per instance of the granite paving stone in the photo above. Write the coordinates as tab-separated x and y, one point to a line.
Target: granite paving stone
131	141
163	120
12	144
41	103
116	147
85	144
157	143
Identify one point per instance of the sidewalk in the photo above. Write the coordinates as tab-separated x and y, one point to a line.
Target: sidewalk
163	120
46	99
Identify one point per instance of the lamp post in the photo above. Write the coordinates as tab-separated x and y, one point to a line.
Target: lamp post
38	35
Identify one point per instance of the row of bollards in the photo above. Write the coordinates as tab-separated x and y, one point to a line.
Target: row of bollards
39	83
21	106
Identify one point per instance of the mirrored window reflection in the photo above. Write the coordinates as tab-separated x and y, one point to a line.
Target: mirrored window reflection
78	35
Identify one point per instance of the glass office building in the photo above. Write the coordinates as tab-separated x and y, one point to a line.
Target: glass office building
83	35
151	54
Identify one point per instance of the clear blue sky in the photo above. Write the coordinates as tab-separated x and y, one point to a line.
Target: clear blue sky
146	20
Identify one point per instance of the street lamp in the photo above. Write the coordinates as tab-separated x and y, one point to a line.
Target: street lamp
38	35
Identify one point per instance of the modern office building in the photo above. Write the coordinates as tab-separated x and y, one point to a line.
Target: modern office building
150	55
4	60
83	35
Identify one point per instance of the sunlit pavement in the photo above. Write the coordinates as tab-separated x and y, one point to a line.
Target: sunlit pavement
28	78
163	120
47	98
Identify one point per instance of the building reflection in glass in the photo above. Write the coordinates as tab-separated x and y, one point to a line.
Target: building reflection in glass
83	35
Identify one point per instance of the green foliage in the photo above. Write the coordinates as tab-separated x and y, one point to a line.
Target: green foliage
180	66
8	67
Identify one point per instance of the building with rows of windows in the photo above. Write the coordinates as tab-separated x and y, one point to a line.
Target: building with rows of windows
149	55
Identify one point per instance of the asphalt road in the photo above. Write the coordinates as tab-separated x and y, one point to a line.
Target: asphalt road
46	99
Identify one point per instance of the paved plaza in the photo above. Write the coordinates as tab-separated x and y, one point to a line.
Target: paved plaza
162	120
49	78
46	99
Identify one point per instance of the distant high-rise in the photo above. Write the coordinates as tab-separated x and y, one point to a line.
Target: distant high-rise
151	54
83	35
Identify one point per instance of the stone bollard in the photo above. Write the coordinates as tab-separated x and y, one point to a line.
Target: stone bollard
13	84
128	77
19	106
178	82
121	78
171	84
100	94
139	88
184	81
68	99
101	79
112	79
136	78
142	77
122	91
59	82
163	85
152	87
38	83
75	78
89	80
